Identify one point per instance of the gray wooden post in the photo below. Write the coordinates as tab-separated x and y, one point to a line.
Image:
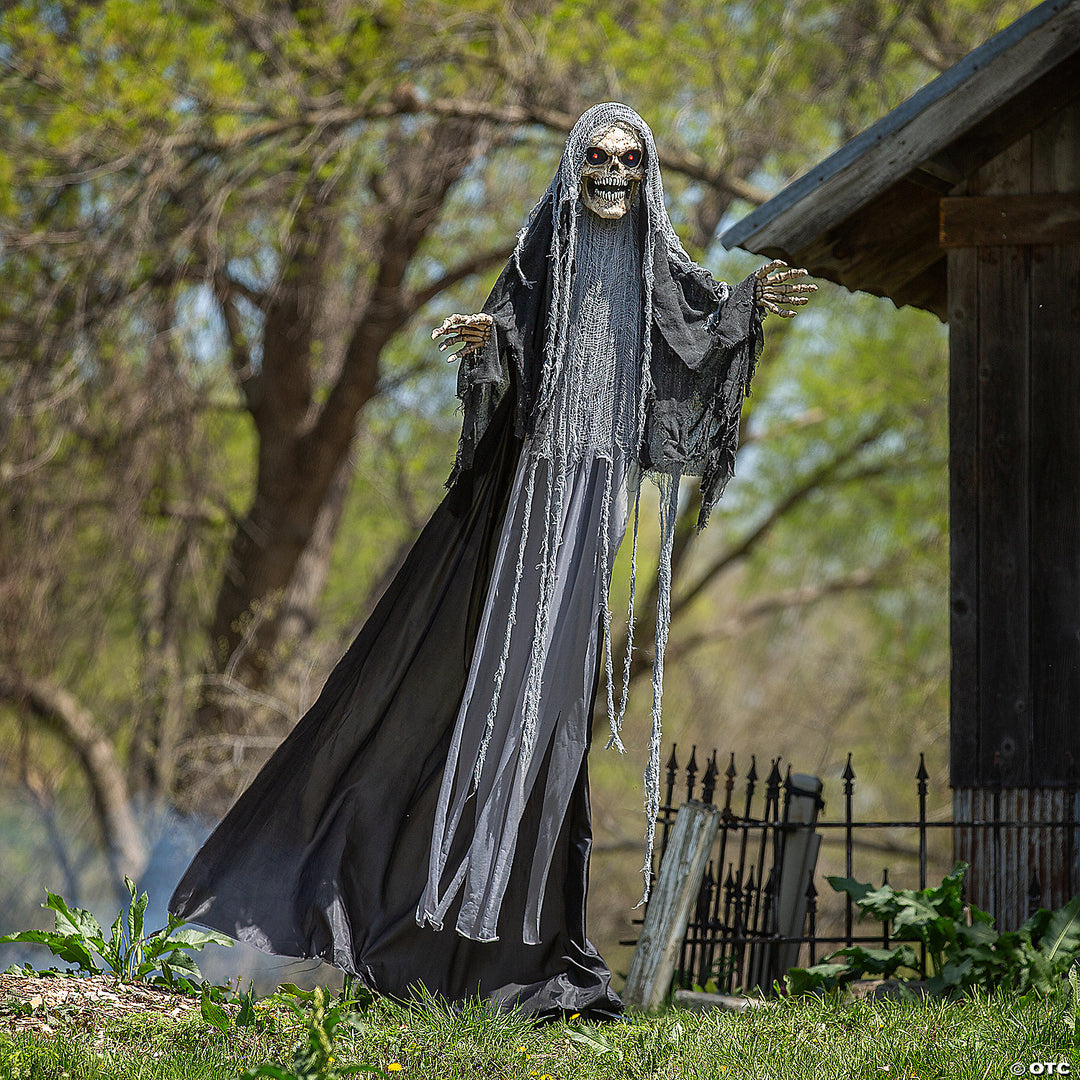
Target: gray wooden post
672	900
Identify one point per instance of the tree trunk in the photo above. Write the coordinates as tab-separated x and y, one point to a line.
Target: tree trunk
281	548
58	710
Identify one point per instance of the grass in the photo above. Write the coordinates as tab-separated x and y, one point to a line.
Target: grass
806	1038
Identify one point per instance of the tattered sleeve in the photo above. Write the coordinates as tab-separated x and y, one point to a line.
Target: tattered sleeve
511	361
483	378
705	342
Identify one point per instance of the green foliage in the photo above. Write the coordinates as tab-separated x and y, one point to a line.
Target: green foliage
160	958
1072	1012
314	1057
593	1041
213	1012
964	951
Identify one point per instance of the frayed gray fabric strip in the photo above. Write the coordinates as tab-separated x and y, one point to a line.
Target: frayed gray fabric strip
500	673
617	722
669	512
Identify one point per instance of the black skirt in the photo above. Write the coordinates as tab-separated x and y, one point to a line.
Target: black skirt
326	853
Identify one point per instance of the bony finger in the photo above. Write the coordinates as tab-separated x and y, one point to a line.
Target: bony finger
467	351
446	325
768	268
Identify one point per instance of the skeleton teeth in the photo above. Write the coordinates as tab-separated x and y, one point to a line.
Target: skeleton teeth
608	187
608	192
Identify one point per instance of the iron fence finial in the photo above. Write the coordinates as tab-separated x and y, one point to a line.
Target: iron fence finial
708	781
922	775
691	772
848	776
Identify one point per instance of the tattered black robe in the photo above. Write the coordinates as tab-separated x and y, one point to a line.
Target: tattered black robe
326	853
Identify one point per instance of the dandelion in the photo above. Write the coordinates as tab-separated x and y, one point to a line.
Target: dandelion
574	1016
521	1049
394	1066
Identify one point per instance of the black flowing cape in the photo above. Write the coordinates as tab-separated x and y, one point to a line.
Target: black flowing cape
326	853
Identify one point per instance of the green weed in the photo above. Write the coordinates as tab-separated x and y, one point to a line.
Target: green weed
964	950
160	958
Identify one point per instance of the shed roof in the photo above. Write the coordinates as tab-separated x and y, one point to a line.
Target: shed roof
867	217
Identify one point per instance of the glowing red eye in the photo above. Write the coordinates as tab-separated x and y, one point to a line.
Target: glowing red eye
595	156
631	159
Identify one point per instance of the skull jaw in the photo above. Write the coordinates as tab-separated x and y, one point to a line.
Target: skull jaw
608	203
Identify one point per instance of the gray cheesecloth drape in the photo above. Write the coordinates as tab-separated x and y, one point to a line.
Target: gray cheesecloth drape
536	653
427	821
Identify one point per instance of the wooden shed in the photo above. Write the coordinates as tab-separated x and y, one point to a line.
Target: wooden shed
965	201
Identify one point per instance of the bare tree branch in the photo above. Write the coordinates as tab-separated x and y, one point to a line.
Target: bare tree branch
239	352
58	710
686	535
405	101
798	494
477	264
801	596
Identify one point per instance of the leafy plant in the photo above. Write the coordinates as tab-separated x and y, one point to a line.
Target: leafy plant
160	958
1072	1013
963	949
215	1014
589	1037
313	1058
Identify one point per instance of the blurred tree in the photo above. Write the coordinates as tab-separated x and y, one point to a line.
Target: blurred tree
225	227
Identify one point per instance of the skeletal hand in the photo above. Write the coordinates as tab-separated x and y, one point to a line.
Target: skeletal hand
776	285
470	331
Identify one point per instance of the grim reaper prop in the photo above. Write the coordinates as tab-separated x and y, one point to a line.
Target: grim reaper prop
440	780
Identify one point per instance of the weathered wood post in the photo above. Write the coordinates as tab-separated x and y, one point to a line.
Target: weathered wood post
670	904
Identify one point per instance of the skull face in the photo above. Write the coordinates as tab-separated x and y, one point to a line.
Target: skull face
614	168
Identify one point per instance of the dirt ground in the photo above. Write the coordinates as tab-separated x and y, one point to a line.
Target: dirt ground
43	1003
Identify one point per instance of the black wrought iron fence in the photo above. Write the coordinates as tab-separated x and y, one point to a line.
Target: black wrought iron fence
737	938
